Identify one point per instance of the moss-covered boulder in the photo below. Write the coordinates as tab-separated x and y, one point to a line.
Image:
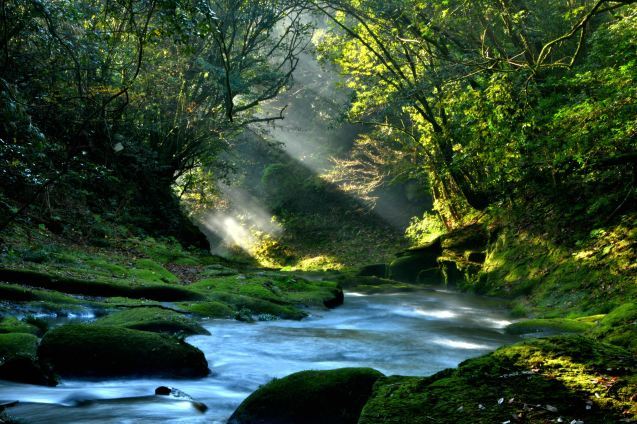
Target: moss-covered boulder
210	309
619	327
14	325
569	378
310	397
412	262
96	285
109	351
19	360
153	319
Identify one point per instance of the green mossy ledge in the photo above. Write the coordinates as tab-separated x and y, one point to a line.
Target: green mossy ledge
309	397
153	319
98	287
109	351
19	360
569	377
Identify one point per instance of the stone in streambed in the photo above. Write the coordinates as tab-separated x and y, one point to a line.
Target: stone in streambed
309	397
107	351
180	395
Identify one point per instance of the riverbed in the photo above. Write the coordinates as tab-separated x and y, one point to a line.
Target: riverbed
415	333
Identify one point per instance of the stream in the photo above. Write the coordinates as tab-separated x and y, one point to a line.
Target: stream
416	333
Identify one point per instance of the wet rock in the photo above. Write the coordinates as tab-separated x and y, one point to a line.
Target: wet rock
178	394
107	351
309	397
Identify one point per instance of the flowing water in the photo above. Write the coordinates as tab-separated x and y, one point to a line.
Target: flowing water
407	334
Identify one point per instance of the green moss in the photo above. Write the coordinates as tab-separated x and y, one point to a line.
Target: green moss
153	319
619	327
209	309
92	350
554	377
97	287
548	326
593	278
257	306
372	285
14	325
152	271
312	397
19	361
276	295
18	344
144	270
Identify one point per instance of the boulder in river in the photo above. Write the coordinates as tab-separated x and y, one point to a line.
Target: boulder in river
310	397
106	351
157	320
19	361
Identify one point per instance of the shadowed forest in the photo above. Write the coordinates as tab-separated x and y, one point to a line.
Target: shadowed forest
293	211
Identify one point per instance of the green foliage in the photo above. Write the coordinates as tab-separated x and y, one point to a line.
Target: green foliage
424	230
503	102
106	106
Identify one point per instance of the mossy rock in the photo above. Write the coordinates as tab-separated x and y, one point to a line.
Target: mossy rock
311	397
538	381
409	268
258	306
619	327
471	237
98	287
374	285
549	326
153	319
15	293
210	309
411	262
19	360
14	325
109	351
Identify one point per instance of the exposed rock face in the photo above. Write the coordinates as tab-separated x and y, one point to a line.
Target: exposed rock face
310	397
107	351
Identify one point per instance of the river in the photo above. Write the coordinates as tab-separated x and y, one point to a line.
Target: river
416	333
